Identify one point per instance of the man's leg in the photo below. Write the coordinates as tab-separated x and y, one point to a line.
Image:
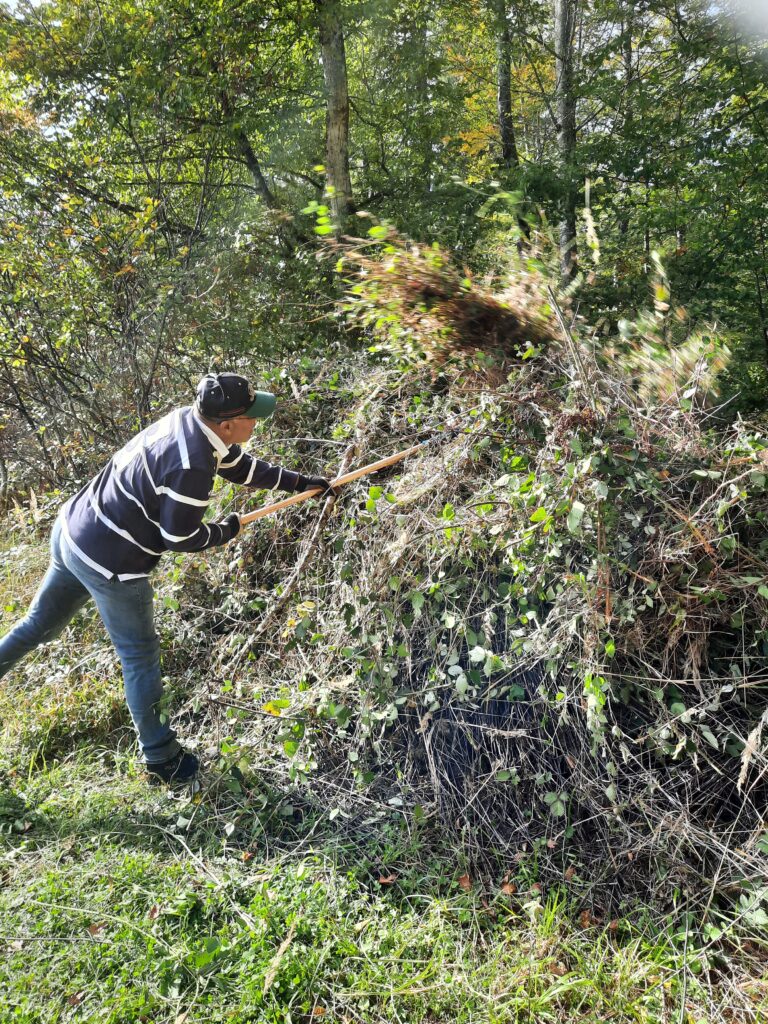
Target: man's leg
58	598
126	610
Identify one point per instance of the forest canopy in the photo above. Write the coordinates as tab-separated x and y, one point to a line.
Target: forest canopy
162	168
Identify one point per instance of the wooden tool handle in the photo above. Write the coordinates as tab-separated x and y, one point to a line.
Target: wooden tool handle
294	499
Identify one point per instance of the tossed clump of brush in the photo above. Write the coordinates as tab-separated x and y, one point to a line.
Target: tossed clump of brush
414	297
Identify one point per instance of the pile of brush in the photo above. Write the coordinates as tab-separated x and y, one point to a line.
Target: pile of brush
551	628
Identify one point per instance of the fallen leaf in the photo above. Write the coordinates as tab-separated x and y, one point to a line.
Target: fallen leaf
154	913
587	919
76	999
181	1017
319	1011
536	888
248	855
97	929
387	879
559	970
570	872
465	882
613	926
509	888
551	844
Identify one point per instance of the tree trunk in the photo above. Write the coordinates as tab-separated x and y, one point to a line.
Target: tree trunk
253	165
509	154
627	27
248	153
763	316
331	32
565	97
3	481
419	132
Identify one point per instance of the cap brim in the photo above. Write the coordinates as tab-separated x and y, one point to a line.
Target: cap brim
262	406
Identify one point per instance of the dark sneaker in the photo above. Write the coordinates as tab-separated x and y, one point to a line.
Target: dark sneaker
182	767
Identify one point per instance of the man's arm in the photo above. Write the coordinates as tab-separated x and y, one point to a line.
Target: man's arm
184	499
241	468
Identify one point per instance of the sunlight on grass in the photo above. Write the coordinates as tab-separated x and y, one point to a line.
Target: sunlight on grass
127	902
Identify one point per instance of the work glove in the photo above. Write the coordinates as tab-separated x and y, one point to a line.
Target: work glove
232	522
308	483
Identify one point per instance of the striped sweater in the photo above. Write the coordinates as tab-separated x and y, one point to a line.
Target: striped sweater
152	495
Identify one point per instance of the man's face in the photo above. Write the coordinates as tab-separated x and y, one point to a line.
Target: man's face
239	429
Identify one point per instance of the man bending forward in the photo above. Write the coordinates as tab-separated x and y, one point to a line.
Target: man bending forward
149	498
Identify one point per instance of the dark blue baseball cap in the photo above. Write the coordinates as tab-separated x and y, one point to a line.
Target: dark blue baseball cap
226	396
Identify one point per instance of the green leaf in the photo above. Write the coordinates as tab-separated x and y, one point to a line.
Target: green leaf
276	707
757	917
493	664
709	736
575	516
539	515
556	802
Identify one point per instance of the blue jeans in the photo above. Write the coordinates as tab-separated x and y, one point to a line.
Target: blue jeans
126	610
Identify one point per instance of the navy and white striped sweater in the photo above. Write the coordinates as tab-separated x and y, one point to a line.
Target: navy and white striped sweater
152	495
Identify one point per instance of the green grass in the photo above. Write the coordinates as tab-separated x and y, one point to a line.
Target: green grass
248	902
122	902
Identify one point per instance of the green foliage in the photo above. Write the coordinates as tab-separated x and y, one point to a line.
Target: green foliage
157	192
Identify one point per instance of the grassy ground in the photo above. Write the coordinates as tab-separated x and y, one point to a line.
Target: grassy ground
246	901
